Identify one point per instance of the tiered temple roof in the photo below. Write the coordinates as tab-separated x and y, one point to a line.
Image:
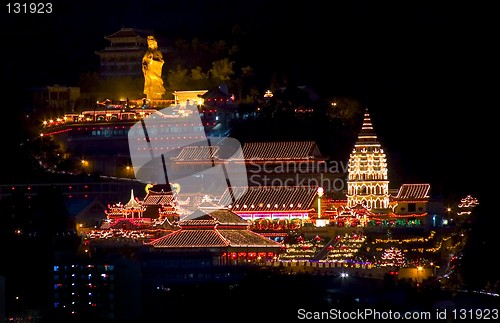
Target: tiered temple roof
221	228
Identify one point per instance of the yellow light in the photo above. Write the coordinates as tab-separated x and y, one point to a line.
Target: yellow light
268	94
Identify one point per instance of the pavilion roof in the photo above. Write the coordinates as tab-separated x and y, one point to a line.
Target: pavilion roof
158	198
214	93
128	33
209	238
270	198
280	150
221	217
413	191
191	153
221	228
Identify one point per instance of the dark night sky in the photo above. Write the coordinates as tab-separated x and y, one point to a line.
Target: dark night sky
423	69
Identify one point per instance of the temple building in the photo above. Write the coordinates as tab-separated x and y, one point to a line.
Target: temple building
131	209
273	203
202	249
224	230
55	99
368	184
411	199
136	221
274	211
122	58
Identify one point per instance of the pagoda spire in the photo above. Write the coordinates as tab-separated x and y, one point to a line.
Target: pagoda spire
367	134
368	183
132	203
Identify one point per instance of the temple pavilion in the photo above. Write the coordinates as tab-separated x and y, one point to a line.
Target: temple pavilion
222	234
132	209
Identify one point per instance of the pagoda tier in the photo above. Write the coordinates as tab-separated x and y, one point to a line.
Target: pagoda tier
367	183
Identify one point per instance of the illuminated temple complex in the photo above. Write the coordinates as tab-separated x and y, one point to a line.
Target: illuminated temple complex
291	187
298	208
274	210
284	177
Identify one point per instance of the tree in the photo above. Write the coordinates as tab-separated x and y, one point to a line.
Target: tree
178	78
89	82
222	70
346	110
199	79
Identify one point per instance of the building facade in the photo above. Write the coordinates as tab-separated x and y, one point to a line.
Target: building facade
55	100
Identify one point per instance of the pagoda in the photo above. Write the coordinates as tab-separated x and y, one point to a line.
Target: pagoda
368	184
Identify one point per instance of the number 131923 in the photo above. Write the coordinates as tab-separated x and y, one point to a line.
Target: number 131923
32	7
475	314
